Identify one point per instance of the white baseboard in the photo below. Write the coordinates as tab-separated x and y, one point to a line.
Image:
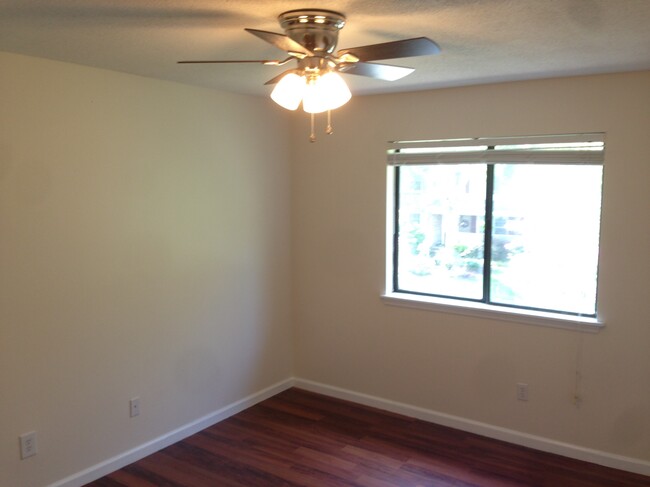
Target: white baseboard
537	442
141	451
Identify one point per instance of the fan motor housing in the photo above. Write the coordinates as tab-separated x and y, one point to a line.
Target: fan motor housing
317	30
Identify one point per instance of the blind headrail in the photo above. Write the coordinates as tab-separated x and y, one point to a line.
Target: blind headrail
494	141
543	149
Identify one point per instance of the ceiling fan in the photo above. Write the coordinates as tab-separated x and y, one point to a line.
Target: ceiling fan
311	38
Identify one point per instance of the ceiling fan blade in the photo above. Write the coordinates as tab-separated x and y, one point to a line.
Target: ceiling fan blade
273	81
385	72
282	42
418	46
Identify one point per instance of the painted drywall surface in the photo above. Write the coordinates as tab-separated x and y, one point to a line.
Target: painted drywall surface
468	366
144	251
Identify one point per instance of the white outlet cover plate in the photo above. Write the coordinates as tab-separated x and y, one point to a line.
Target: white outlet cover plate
28	445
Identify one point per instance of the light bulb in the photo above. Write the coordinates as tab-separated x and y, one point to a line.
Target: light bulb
289	91
326	92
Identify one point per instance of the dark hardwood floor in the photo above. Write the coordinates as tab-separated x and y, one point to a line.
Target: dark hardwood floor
299	438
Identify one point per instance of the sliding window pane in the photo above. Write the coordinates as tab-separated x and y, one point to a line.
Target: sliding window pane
441	224
545	233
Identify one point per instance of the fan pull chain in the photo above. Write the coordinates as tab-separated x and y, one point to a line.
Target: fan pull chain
329	130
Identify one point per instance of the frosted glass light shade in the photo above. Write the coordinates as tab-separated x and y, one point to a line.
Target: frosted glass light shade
334	89
289	91
327	92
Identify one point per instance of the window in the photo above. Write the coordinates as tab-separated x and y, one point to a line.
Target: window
511	223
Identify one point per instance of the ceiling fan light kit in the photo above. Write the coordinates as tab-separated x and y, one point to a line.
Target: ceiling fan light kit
311	38
318	93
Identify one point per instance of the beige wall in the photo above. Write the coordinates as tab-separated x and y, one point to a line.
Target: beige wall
144	251
468	366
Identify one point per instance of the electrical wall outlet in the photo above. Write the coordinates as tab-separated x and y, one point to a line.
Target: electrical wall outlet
522	391
27	445
134	405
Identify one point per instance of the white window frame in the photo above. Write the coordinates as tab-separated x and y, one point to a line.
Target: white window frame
476	150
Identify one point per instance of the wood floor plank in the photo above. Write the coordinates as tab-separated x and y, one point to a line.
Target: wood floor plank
302	439
124	478
461	472
372	458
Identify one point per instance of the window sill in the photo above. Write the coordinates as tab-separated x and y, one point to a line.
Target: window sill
481	310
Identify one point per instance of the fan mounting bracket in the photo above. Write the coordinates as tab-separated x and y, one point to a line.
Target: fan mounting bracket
315	29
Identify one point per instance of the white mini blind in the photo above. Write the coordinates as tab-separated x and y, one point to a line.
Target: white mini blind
542	149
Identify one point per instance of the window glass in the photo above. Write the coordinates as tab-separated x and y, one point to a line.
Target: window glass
442	254
545	236
540	222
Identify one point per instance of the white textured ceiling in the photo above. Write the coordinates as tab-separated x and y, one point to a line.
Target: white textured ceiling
481	40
